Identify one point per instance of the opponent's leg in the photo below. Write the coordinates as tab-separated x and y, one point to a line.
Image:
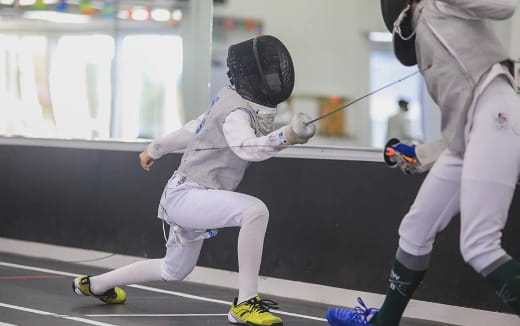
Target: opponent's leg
434	207
490	173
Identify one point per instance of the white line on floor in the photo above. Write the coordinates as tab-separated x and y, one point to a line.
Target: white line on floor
156	315
148	288
272	286
51	314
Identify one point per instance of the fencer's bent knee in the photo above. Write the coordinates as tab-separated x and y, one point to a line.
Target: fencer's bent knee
256	212
178	274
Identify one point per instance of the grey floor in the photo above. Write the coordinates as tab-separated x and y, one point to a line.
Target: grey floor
38	292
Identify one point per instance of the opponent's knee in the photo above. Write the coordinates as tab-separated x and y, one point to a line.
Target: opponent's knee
480	253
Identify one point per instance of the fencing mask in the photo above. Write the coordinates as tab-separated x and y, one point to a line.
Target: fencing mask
261	69
397	15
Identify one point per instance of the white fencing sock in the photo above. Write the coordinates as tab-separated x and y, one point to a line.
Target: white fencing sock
140	272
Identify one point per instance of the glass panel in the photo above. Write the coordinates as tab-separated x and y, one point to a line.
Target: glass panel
102	69
151	71
337	61
389	120
81	86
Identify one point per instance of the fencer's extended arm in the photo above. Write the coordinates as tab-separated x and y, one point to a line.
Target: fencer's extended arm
174	141
428	153
492	9
243	141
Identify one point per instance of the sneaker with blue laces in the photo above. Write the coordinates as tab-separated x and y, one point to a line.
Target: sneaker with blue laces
359	316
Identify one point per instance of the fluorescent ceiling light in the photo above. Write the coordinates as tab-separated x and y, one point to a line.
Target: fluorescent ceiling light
177	15
161	15
57	17
380	37
123	14
7	2
139	13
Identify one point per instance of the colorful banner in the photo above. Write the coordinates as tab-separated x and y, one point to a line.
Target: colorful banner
108	9
39	4
86	8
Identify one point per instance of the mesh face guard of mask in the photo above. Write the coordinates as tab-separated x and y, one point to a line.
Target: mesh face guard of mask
261	69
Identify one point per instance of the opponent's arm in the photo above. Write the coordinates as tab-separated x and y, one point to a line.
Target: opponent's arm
243	141
170	143
428	153
492	9
413	158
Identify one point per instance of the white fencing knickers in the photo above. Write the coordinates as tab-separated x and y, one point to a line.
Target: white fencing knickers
479	185
194	209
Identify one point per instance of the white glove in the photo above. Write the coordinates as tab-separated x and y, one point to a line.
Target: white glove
297	132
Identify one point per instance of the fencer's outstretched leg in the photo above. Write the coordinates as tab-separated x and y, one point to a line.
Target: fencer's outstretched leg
136	273
105	286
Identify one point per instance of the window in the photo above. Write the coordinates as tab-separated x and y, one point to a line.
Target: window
103	73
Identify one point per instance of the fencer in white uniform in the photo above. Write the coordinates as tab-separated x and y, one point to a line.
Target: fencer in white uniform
237	129
399	125
476	164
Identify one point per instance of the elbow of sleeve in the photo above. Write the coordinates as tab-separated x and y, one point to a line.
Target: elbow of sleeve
249	158
506	11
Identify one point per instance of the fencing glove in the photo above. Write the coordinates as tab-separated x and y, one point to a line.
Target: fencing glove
297	132
403	155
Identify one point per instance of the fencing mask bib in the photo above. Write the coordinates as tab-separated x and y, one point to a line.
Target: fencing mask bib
261	70
397	15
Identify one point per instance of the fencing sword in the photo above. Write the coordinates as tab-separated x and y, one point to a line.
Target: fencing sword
331	112
366	95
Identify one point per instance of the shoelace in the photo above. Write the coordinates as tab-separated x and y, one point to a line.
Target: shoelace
362	313
263	305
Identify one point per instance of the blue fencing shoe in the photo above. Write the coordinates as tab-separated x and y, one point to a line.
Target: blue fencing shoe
359	316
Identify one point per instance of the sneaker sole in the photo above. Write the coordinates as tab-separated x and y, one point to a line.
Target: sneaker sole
232	319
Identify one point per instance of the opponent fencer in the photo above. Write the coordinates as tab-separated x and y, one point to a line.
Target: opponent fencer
199	198
476	163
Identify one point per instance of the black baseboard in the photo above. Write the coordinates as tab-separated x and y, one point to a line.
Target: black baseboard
332	222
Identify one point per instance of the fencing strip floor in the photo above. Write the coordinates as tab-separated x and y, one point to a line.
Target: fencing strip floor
37	291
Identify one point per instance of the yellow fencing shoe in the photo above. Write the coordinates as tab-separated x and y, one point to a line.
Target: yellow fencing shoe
254	312
81	286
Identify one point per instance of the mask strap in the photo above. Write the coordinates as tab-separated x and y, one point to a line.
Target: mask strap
397	24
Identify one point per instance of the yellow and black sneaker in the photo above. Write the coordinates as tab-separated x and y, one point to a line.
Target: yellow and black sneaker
254	312
81	286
